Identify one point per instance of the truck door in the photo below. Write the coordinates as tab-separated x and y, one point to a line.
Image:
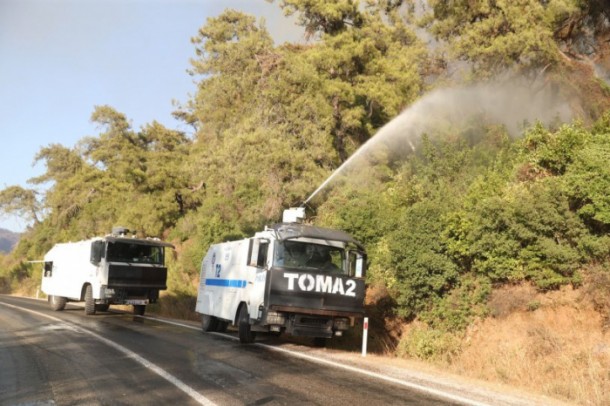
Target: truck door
257	269
206	293
47	274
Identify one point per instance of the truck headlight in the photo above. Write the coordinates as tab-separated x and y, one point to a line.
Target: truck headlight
276	318
105	292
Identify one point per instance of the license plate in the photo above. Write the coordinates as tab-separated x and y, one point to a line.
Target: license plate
137	301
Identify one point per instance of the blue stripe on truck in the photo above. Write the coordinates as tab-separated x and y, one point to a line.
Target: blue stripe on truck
227	283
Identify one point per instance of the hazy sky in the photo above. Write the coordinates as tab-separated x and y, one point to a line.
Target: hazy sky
60	58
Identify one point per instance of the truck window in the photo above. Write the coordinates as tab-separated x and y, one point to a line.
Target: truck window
262	254
48	269
132	252
309	256
97	251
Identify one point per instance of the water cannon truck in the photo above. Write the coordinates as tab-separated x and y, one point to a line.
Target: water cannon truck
289	278
103	271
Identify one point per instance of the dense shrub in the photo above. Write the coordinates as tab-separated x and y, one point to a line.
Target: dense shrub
429	344
460	217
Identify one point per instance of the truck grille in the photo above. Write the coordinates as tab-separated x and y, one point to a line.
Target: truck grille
314	321
125	276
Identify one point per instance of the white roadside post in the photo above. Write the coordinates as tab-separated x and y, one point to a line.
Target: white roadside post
365	333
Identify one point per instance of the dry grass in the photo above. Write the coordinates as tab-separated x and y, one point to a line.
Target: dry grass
25	287
506	301
559	349
181	306
385	328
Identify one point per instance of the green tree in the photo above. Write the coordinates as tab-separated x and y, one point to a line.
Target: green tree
372	64
21	202
497	36
232	51
295	103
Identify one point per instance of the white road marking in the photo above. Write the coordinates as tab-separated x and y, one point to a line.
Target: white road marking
60	327
410	385
173	323
199	398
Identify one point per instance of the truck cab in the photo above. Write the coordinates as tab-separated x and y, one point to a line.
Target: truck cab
103	271
290	278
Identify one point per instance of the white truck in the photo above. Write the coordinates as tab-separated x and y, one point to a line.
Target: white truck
114	269
290	278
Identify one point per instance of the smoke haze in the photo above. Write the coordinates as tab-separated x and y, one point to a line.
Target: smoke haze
510	104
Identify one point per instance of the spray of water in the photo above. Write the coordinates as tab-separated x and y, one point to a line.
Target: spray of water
510	104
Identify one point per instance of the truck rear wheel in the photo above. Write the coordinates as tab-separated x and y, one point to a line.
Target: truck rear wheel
138	310
246	335
209	323
89	302
57	302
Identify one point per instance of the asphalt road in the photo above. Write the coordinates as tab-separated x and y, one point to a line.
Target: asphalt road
67	358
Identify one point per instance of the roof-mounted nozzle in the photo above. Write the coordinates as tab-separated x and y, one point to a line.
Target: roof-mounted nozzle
294	215
120	231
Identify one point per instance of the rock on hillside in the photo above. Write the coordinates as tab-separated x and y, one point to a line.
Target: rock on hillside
8	240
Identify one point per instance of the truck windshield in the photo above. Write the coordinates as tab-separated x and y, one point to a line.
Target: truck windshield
305	255
132	252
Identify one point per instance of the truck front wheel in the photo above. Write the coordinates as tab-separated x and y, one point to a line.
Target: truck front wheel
246	335
138	310
89	302
57	302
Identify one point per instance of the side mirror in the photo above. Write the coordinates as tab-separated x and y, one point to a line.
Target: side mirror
97	252
357	264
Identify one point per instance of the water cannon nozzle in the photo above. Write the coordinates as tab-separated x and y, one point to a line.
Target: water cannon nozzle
294	215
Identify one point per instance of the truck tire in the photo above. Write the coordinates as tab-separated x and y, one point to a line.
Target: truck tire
138	310
246	335
102	307
208	323
57	302
89	302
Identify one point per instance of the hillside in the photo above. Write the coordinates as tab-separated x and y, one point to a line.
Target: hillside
8	240
479	183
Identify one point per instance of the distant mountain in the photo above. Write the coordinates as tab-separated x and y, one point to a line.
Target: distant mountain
8	240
